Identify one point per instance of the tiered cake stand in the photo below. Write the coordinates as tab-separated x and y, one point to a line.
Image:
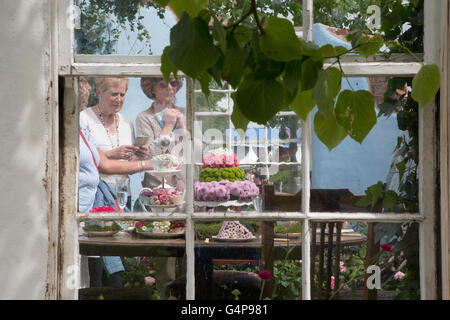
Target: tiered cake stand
161	208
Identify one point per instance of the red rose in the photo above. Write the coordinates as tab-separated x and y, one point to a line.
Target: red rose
103	209
386	247
265	275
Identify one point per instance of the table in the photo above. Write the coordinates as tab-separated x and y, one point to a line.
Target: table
204	252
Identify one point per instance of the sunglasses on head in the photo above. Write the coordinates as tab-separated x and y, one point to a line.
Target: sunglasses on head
164	84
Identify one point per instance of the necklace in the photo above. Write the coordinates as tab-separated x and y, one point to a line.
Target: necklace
107	131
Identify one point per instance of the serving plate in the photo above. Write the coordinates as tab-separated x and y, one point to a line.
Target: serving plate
233	240
156	235
101	233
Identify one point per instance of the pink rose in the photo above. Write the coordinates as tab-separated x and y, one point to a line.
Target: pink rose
399	275
332	282
342	267
149	281
164	198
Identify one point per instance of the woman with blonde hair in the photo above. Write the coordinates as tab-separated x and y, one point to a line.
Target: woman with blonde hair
112	132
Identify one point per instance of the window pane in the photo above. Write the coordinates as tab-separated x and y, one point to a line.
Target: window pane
382	257
140	112
397	20
126	28
229	262
383	167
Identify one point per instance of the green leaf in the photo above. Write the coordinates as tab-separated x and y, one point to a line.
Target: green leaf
234	62
327	51
191	46
162	3
326	89
205	79
364	202
426	84
328	130
303	103
401	169
167	67
391	199
370	46
375	192
355	111
219	34
239	120
311	49
216	70
259	99
192	7
292	75
310	73
279	42
242	35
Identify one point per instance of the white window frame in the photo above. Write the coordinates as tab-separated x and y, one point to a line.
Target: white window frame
198	115
71	66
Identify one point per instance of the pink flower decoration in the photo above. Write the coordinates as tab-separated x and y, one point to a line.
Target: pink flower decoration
103	209
332	282
342	267
386	247
265	275
399	275
164	198
149	281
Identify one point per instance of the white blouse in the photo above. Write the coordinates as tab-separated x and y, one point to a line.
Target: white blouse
98	131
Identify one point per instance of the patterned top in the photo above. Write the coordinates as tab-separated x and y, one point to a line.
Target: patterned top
148	126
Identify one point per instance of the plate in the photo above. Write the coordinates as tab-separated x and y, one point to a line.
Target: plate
101	233
126	226
234	203
155	235
233	240
342	231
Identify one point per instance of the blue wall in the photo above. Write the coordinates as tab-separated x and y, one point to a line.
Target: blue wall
352	165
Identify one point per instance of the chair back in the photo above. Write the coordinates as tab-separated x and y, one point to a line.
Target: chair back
325	236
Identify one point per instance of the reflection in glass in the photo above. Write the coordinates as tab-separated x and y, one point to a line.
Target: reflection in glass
127	27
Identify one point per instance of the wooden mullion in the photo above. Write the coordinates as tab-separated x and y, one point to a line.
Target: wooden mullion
329	260
337	256
321	261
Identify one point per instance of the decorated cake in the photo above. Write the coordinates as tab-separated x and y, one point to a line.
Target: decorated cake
220	158
165	162
221	179
234	230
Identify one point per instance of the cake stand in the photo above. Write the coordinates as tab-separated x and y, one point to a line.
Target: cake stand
161	208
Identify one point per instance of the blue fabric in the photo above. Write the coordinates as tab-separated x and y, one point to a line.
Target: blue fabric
160	118
88	173
106	196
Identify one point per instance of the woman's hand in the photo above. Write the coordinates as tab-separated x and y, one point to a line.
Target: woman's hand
170	119
180	120
142	153
124	152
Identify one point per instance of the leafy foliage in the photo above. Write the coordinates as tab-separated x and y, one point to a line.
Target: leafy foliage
275	69
253	47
